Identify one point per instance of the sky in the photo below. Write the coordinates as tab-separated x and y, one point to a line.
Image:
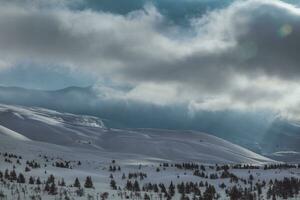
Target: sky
211	55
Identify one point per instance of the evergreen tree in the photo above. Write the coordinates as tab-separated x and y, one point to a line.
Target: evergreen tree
51	179
52	189
31	180
113	184
77	183
155	188
136	186
235	194
27	169
171	189
209	193
13	175
21	178
62	182
129	186
123	176
38	181
88	182
259	191
47	187
146	196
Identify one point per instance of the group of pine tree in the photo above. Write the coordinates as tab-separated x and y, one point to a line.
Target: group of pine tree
275	189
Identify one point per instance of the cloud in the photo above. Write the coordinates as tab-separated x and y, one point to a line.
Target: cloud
81	39
241	56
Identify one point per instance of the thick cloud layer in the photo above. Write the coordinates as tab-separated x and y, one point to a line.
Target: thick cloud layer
244	56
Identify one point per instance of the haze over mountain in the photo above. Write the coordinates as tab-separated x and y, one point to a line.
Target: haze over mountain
79	131
261	133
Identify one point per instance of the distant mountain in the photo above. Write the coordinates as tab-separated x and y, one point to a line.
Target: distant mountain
261	132
282	139
65	99
32	125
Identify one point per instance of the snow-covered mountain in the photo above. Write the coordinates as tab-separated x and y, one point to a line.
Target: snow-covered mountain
31	129
281	141
243	128
40	143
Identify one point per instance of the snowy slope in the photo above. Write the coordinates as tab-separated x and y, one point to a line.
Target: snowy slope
12	134
41	127
95	163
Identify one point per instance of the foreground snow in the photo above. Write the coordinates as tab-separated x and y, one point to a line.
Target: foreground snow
100	166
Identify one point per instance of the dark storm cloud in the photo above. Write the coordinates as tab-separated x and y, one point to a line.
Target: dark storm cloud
77	38
248	47
261	38
273	33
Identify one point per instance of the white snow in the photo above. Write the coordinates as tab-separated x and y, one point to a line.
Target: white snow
12	134
31	132
89	132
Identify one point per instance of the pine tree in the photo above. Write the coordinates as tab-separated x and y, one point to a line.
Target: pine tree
259	191
31	180
155	188
113	184
171	189
13	175
123	176
136	186
146	196
88	182
51	179
234	193
27	169
62	182
53	189
251	177
47	187
77	183
38	181
21	178
129	185
209	193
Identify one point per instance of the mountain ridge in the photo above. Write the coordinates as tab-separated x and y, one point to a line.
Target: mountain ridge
52	127
260	133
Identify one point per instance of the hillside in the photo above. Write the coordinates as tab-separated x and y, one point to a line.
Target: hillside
88	132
